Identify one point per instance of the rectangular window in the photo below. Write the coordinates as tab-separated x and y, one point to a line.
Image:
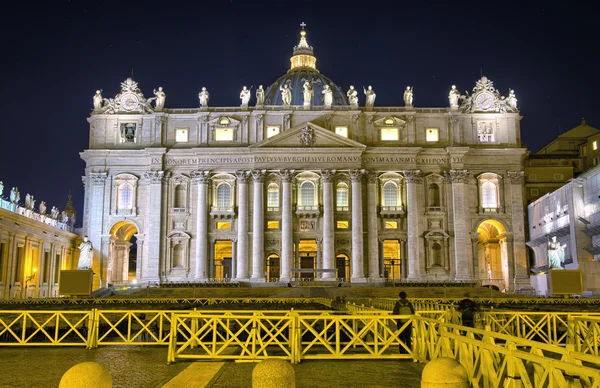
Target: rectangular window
224	134
272	130
432	134
181	135
223	225
595	145
391	224
389	134
342	224
272	224
535	192
342	131
596	160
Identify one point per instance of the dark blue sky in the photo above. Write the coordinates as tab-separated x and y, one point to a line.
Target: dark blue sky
55	57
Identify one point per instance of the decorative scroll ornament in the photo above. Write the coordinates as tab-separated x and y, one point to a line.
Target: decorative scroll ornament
356	175
200	176
516	177
372	176
327	175
487	99
307	137
154	177
243	176
258	175
413	176
129	100
98	178
457	176
286	175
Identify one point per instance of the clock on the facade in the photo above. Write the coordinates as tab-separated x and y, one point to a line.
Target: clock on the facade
484	100
129	101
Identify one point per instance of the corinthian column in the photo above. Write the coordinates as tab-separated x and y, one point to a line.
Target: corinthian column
242	246
201	179
358	274
372	235
462	266
286	225
155	181
328	230
413	178
521	268
258	228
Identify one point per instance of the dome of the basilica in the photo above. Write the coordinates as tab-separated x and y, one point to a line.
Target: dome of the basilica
304	69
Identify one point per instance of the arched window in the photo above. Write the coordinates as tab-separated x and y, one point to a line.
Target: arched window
489	195
307	194
178	256
390	194
342	195
179	196
224	195
433	195
273	195
436	252
125	194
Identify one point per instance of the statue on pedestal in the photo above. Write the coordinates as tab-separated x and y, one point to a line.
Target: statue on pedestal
31	203
370	96
15	197
260	95
1	189
160	99
98	100
511	100
352	96
204	96
286	94
453	97
245	97
327	96
54	212
308	93
42	208
85	254
27	201
408	96
556	253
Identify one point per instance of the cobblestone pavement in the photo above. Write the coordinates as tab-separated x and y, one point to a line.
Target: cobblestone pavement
41	367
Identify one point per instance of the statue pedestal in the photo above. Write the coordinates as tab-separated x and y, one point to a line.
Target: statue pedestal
75	282
203	108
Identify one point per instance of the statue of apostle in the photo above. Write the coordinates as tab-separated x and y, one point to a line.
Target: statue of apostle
260	96
85	254
42	208
408	96
327	96
370	96
453	97
352	96
286	94
511	100
204	96
160	99
245	97
308	93
98	100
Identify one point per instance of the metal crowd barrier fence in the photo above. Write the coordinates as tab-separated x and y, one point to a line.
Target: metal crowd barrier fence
585	332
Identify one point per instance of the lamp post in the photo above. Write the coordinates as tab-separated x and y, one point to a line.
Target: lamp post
28	279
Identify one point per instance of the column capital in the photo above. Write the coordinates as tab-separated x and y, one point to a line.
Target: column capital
456	176
286	175
474	237
356	175
327	175
413	176
98	178
515	177
155	177
243	176
258	175
200	176
372	176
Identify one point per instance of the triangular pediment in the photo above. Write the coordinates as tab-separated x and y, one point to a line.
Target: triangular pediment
308	135
390	121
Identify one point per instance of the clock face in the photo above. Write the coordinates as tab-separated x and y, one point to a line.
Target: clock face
129	101
485	101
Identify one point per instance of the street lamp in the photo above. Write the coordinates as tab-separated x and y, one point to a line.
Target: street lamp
28	279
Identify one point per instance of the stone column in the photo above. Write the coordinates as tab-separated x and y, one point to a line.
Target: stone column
358	274
462	265
154	180
233	258
201	179
258	228
297	263
211	260
372	232
381	258
139	255
475	254
403	264
328	223
319	256
521	268
96	187
242	250
413	178
286	225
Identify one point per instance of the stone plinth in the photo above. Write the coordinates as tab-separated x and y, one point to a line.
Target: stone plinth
444	372
273	373
86	374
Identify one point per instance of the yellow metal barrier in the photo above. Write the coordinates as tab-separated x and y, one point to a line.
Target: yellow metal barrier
586	334
45	328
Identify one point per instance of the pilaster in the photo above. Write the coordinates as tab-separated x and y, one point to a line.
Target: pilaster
242	223
462	254
258	227
413	178
328	223
201	179
286	225
358	274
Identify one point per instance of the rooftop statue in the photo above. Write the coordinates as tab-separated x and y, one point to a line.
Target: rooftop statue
511	100
245	96
42	208
408	96
260	95
370	96
308	93
453	97
327	96
15	197
160	99
352	96
1	188
286	94
85	254
129	100
98	100
204	96
54	212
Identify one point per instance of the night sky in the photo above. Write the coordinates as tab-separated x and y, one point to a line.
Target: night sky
54	57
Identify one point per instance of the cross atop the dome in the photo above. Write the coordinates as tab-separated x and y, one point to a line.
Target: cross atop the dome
302	25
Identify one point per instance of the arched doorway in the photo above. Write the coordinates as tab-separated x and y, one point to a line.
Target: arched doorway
122	253
342	264
492	254
272	266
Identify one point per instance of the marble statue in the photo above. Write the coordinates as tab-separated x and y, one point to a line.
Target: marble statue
308	93
64	217
42	208
85	254
245	96
327	96
260	95
352	96
556	253
286	94
160	99
1	188
54	212
204	96
511	100
98	100
453	97
27	201
15	197
370	96
408	96
32	203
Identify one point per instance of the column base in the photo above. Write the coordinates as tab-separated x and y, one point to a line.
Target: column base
463	277
242	279
258	280
201	279
360	279
284	280
521	283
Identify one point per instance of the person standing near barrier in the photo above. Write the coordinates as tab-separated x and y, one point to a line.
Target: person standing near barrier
468	309
404	307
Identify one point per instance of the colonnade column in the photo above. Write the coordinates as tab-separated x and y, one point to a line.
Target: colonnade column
413	178
286	225
95	193
234	258
242	224
154	179
462	267
258	228
201	178
211	260
319	256
521	268
372	233
328	227
403	266
358	272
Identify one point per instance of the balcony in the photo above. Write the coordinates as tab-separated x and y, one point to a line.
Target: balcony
307	211
222	212
391	211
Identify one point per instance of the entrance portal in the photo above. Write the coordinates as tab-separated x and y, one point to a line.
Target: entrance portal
223	255
492	254
122	253
272	266
342	264
307	258
392	264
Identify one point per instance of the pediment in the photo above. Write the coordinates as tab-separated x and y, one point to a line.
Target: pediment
224	121
390	121
308	135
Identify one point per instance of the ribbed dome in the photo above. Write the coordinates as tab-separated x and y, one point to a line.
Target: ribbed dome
303	68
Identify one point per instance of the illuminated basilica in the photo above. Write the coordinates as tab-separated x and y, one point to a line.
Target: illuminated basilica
301	181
